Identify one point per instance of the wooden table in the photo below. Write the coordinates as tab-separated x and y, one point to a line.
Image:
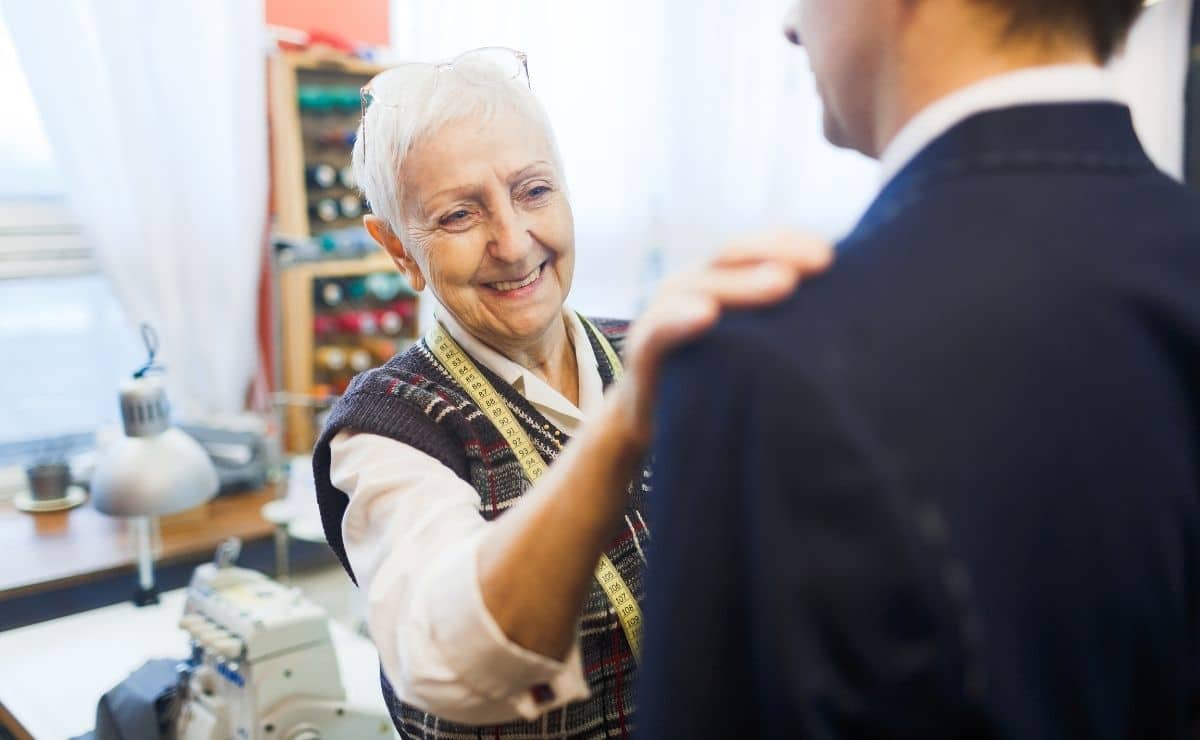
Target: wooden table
57	550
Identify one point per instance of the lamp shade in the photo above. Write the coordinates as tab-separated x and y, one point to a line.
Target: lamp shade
155	468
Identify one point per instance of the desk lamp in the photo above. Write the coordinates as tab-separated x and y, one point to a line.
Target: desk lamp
154	469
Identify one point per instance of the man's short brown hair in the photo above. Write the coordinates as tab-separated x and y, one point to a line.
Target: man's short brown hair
1104	23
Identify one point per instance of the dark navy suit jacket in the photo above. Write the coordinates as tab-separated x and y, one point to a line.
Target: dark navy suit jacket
952	487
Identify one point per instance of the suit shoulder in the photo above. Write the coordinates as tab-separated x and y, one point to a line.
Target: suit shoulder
748	352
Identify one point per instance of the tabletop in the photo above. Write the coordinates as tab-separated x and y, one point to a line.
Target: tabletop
60	549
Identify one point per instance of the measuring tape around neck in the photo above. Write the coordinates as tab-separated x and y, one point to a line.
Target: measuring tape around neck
464	371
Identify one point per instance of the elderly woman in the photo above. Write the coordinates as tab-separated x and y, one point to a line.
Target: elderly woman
525	624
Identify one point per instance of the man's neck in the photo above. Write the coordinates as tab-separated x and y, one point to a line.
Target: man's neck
934	62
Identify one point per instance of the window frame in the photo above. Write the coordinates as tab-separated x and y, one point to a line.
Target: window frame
39	237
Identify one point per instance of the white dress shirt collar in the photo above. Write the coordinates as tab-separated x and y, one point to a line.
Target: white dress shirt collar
1068	83
538	392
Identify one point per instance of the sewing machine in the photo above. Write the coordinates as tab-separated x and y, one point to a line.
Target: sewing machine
262	665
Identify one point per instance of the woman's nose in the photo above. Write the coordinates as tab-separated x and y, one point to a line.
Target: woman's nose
510	240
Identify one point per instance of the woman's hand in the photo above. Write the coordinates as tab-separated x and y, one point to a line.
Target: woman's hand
750	272
536	561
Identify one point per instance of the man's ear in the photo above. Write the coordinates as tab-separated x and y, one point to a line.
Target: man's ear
381	232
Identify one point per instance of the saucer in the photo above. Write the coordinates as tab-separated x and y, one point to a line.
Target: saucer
24	501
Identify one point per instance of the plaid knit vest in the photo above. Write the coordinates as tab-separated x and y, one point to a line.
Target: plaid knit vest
412	399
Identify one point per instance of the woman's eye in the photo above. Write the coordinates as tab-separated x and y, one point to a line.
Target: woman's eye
457	217
537	191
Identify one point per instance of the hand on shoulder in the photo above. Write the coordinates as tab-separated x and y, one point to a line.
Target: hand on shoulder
749	272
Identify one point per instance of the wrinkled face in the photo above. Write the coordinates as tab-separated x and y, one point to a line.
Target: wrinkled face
488	223
846	41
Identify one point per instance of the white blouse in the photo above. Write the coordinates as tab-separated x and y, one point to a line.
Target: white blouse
412	532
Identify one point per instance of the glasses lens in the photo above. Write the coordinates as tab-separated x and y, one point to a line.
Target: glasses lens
384	88
489	66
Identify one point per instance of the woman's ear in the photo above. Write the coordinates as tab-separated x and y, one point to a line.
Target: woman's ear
381	232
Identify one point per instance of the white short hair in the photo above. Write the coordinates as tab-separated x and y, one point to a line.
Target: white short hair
413	100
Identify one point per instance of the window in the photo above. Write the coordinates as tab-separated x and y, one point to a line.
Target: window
38	236
65	341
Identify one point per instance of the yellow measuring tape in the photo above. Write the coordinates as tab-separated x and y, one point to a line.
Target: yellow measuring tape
460	365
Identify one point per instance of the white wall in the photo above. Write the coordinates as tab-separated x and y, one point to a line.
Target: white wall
1152	74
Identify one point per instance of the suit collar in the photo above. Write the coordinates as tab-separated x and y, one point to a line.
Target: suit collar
1065	83
1052	137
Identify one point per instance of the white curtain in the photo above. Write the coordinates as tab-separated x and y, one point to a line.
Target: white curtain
681	122
156	113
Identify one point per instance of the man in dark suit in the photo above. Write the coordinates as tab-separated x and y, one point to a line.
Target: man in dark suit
951	488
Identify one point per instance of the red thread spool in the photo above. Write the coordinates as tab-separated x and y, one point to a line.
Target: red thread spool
358	322
407	308
389	321
324	325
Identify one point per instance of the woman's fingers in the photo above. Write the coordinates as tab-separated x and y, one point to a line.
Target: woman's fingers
691	304
755	271
739	286
672	320
752	272
805	253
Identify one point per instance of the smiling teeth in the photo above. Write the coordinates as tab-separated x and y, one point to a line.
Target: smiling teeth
514	285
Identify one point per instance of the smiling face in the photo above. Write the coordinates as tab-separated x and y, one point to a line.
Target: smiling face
487	224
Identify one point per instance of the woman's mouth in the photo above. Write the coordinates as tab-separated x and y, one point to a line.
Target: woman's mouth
512	286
